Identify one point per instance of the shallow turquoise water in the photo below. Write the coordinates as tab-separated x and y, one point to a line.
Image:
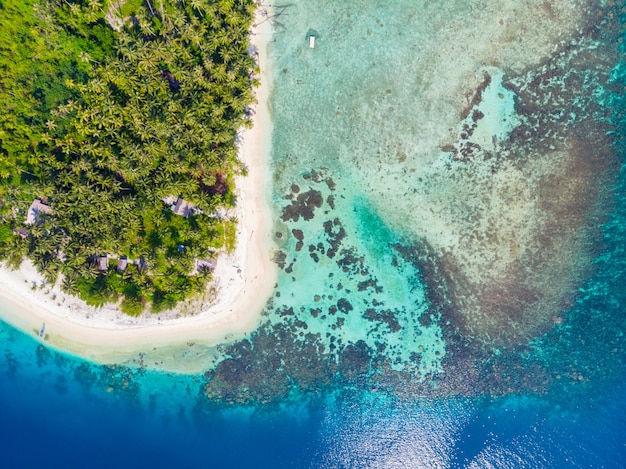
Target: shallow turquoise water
428	192
447	297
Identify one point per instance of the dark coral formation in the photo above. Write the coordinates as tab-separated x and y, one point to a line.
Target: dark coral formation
266	371
387	317
355	361
303	206
336	234
298	234
280	259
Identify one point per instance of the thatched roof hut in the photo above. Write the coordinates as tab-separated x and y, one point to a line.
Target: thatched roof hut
122	263
102	262
203	265
21	232
183	208
35	210
142	264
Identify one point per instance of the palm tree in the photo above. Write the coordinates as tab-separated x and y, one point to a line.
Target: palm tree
199	6
69	283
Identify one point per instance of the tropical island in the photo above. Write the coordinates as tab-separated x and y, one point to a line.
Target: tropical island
119	141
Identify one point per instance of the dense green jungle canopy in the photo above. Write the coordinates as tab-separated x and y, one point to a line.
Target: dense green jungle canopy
112	112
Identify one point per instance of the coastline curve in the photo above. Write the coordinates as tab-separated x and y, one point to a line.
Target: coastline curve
243	280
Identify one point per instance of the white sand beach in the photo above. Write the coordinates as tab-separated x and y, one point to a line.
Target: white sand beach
243	280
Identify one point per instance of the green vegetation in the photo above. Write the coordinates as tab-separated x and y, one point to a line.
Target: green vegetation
112	111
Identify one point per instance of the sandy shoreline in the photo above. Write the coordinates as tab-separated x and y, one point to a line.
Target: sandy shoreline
176	340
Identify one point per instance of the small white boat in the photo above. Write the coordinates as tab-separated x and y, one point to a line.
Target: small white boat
42	330
312	41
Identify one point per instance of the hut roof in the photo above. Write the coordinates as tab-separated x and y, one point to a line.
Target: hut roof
35	210
23	233
206	264
102	262
142	264
122	264
183	208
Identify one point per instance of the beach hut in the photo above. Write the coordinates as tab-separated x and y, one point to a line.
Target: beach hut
22	233
182	207
204	265
102	263
142	264
35	210
122	264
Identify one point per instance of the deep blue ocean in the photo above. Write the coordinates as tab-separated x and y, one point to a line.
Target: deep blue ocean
357	363
56	411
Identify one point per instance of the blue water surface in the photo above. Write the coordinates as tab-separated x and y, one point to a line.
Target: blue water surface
52	417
